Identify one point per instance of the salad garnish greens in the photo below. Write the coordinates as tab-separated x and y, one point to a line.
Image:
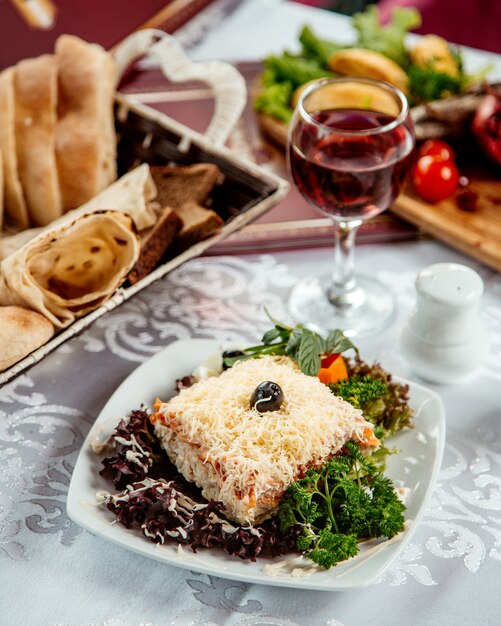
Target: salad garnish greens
366	387
388	39
383	401
324	514
299	343
346	500
428	79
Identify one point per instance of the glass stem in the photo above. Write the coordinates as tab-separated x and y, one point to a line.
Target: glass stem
344	292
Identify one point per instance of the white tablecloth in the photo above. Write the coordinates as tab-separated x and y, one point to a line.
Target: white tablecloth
52	572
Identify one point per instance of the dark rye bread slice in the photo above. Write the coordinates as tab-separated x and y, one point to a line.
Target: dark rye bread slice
155	242
198	223
180	184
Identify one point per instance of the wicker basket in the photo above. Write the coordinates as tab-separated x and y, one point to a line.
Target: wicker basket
147	136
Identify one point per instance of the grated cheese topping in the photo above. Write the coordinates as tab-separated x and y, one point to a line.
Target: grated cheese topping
252	453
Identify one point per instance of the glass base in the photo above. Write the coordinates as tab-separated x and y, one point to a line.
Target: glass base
312	303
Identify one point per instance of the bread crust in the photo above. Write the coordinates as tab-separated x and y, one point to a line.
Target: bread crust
1	189
70	270
35	87
15	204
155	243
85	136
21	332
198	224
369	64
186	188
177	185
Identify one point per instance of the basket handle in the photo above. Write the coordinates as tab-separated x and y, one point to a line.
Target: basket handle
227	84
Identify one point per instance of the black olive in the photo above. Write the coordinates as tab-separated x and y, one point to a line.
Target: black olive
267	396
230	354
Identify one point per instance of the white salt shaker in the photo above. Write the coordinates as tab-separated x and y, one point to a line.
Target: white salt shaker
444	338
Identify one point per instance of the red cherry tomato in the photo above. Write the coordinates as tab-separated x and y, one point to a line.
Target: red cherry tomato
436	147
328	360
435	178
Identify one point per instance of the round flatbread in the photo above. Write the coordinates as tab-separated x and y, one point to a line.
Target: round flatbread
66	272
21	332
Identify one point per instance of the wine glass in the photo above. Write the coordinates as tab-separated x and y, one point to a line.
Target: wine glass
350	147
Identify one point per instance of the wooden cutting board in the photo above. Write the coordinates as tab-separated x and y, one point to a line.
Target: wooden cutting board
477	233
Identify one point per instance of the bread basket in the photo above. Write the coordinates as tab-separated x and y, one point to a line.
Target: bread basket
146	135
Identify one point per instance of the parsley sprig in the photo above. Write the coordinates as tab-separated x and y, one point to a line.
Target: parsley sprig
299	343
335	506
360	391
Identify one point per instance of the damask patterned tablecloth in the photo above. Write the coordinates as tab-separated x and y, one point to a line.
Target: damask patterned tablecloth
52	572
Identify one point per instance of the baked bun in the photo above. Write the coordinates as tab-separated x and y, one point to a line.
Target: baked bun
368	64
21	332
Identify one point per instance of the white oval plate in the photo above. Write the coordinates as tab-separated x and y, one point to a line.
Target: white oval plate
415	467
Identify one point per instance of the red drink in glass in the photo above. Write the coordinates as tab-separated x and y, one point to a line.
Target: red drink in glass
350	147
350	176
